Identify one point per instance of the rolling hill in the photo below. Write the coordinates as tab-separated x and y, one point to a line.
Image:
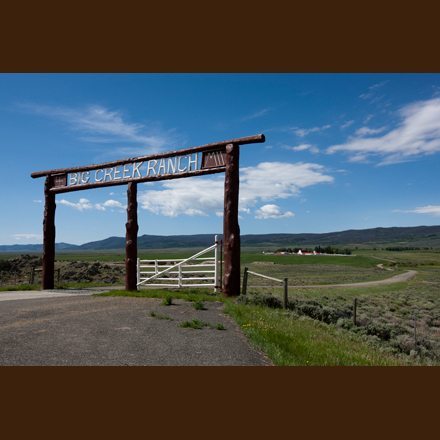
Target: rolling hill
418	236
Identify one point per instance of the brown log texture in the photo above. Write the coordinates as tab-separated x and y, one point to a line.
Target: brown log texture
207	147
231	228
131	228
48	236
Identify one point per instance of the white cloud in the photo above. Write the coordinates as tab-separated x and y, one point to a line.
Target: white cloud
184	196
28	237
428	209
304	147
302	132
257	114
102	125
371	93
85	204
368	118
418	134
37	201
271	211
112	204
81	205
367	131
347	124
265	182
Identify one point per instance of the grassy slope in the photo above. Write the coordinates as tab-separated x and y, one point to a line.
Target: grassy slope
303	341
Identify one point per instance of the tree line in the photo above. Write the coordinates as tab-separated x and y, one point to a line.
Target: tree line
317	249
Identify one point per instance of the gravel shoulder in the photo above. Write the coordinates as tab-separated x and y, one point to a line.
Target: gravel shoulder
88	330
15	295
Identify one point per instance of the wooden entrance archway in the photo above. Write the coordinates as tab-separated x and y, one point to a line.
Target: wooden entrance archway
212	158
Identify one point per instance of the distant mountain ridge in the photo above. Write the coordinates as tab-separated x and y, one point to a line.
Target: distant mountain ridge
421	236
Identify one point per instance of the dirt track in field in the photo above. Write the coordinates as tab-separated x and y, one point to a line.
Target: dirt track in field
400	278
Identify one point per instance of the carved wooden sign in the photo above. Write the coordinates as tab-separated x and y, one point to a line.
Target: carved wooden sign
213	159
207	159
135	171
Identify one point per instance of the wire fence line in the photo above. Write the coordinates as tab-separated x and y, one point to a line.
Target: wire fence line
284	281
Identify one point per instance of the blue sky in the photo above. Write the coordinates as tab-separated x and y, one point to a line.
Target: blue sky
342	151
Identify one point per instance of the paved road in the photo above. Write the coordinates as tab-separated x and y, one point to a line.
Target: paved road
89	330
14	295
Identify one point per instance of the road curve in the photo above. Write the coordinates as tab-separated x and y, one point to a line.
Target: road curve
400	278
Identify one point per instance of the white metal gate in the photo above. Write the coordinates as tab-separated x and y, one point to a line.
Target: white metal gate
195	271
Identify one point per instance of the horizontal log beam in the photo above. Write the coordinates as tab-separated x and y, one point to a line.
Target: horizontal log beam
207	147
64	189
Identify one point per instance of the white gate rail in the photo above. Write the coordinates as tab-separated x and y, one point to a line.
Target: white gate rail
181	272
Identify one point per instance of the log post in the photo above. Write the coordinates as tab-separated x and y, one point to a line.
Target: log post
48	236
231	228
355	311
286	292
245	280
131	228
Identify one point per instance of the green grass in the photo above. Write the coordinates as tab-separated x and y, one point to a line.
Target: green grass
198	305
197	324
356	260
333	292
185	294
167	301
160	316
81	285
194	324
316	274
20	287
289	340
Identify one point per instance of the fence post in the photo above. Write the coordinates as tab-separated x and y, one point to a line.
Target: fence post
138	271
180	276
415	331
245	278
355	311
216	265
32	276
221	265
286	292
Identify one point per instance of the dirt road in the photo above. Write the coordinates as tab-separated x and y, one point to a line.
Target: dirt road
400	278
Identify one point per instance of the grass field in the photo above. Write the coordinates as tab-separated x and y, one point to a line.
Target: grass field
310	274
396	324
403	318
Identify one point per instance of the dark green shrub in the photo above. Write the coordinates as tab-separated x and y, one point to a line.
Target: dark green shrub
261	299
167	301
382	331
198	305
195	324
